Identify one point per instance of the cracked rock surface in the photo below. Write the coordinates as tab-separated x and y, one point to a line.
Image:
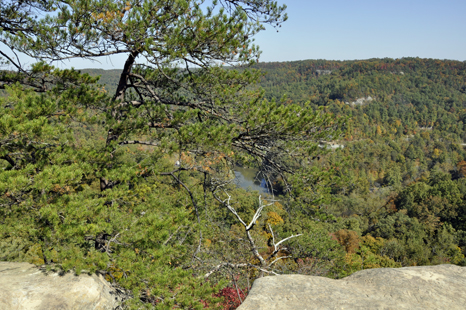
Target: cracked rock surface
425	287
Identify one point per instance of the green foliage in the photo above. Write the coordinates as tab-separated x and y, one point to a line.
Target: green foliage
138	186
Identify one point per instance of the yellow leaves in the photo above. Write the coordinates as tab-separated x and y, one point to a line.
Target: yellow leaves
436	153
379	130
34	255
274	218
374	244
114	272
456	255
278	205
425	135
353	260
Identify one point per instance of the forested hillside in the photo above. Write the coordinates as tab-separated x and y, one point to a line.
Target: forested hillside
410	94
403	148
401	196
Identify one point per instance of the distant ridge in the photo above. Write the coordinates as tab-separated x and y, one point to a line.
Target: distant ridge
109	78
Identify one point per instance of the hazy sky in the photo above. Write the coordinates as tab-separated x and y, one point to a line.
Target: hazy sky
360	29
356	29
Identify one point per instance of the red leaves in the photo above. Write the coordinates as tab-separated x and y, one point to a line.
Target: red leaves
231	298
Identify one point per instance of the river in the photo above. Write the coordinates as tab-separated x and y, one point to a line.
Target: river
245	178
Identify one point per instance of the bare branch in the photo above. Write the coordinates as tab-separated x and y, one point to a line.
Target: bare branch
254	250
257	214
279	258
276	245
226	203
107	247
219	266
288	238
171	236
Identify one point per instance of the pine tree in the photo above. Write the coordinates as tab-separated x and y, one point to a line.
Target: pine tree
115	184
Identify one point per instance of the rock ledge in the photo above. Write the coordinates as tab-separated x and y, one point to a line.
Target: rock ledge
426	287
24	286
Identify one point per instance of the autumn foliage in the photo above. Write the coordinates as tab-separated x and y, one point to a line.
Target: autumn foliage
348	239
232	297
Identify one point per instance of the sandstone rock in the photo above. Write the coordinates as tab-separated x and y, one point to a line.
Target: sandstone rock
24	286
426	287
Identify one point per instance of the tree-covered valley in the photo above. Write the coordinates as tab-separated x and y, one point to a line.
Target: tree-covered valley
129	173
399	158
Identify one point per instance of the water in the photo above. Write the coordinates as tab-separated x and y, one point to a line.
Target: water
245	178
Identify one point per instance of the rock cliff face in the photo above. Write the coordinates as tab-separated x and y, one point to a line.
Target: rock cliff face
427	287
24	286
361	101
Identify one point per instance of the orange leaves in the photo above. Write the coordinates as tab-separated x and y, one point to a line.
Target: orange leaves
187	159
59	189
143	171
348	239
462	168
109	16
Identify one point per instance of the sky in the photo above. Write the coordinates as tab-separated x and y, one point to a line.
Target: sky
354	29
360	29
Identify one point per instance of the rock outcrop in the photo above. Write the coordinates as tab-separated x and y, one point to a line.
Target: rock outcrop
24	286
361	101
426	287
